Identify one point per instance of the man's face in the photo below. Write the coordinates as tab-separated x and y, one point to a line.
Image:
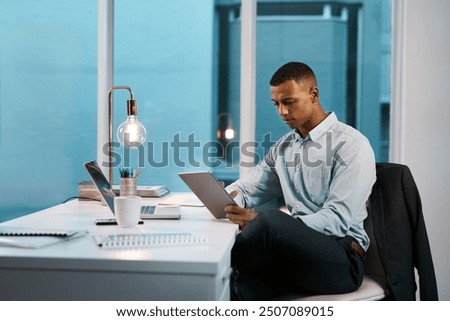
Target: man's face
295	103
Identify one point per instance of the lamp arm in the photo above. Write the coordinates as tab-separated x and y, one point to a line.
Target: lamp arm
121	87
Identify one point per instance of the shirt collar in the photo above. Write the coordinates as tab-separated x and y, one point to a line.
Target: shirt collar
323	127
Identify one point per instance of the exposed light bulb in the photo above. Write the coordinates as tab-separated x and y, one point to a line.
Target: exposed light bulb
131	133
229	133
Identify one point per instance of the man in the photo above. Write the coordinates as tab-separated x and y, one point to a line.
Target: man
324	170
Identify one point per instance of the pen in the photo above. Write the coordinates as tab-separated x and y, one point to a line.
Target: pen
129	173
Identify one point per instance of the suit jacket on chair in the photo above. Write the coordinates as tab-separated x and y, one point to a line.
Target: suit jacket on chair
400	233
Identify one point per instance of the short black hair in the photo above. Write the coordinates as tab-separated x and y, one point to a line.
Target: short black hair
297	71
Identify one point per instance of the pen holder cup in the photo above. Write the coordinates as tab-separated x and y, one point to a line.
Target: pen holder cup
128	186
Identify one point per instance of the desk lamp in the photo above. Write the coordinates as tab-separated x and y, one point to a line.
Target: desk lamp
131	133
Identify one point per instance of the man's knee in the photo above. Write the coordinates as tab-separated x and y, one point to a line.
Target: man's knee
274	216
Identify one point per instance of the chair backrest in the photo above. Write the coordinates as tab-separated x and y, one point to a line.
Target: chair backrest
400	234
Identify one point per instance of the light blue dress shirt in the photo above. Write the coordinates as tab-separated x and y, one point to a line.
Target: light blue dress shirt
325	179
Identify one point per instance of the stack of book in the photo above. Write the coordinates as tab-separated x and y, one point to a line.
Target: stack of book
87	190
147	190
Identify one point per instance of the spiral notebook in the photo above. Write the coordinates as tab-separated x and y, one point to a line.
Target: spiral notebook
25	231
149	240
34	238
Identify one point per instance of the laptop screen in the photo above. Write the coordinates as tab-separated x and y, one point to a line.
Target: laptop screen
101	183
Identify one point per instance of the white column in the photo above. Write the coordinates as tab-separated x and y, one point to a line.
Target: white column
248	82
398	70
104	75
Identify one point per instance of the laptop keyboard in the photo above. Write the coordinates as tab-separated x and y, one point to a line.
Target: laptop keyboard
148	209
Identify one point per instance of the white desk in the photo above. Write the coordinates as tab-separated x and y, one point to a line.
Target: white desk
80	270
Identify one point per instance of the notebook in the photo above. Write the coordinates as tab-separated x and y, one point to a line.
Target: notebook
209	190
108	194
188	200
33	238
25	231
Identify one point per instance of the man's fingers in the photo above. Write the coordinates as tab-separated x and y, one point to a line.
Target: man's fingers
237	219
239	215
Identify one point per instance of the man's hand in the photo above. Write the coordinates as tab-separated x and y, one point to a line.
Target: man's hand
239	215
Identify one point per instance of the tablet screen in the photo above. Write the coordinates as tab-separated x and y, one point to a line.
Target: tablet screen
209	190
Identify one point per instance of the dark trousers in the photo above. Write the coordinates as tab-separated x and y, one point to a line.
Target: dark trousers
277	254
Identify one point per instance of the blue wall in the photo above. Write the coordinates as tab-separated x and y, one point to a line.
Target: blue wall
47	100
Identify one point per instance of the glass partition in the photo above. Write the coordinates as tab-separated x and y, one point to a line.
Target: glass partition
163	50
48	101
182	60
347	43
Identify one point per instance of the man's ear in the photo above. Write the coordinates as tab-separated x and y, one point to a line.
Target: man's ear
314	92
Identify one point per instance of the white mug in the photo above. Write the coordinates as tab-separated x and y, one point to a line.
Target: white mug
127	210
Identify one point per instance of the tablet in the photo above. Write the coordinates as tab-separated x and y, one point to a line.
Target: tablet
209	190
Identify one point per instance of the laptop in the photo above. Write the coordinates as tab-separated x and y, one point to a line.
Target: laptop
209	190
108	194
